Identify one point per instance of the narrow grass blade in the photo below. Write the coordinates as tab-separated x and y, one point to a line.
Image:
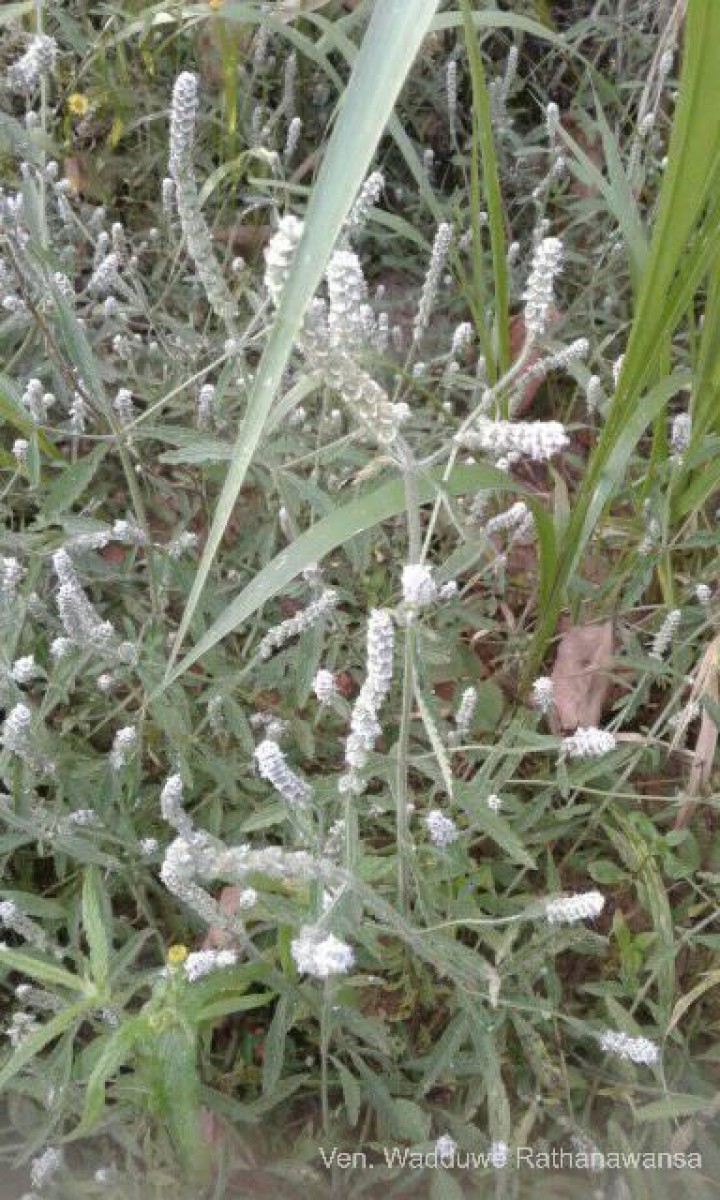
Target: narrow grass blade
483	139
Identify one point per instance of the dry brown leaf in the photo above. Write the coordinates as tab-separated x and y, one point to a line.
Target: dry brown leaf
229	904
706	683
518	339
582	674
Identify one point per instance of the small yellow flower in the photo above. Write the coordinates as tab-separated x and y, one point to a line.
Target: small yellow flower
215	4
176	955
78	104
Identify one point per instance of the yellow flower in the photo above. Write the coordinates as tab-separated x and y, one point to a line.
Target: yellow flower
176	955
78	104
215	4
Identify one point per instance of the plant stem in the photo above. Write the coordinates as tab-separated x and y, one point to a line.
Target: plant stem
401	788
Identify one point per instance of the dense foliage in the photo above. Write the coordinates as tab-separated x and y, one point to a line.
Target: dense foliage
358	597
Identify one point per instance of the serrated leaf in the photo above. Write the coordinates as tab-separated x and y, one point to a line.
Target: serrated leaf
39	969
352	1094
37	1041
198	450
410	1121
435	741
274	1048
673	1106
94	925
114	1054
474	802
226	1005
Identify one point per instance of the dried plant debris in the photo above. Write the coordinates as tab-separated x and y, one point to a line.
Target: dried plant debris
582	675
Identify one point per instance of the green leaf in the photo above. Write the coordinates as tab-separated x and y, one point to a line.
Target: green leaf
274	1049
435	740
393	37
95	924
352	1094
474	802
175	1050
409	1121
673	1106
484	139
226	1005
72	482
37	1041
40	970
116	1051
444	1187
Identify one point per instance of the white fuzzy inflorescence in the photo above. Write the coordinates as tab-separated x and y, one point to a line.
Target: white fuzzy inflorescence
44	1167
515	518
171	806
364	723
566	910
315	611
183	116
24	669
418	586
663	639
464	716
428	296
368	197
204	406
273	767
80	620
536	440
201	962
279	255
123	747
634	1049
543	694
123	405
350	319
38	60
462	338
20	449
11	573
324	686
589	742
321	955
333	332
106	276
539	291
441	829
680	432
594	394
16	732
